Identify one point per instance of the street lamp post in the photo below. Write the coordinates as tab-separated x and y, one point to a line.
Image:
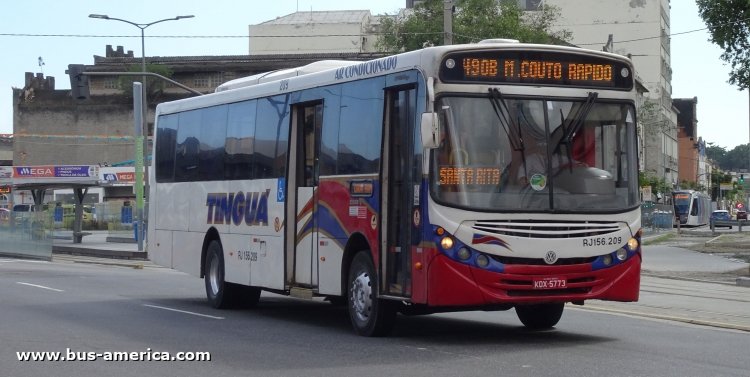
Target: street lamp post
144	107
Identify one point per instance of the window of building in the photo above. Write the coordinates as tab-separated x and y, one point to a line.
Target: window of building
530	4
111	83
200	82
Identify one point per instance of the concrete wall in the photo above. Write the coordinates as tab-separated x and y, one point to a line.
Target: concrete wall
305	38
52	128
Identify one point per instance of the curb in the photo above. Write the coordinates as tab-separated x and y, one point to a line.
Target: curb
667	318
656	275
114	254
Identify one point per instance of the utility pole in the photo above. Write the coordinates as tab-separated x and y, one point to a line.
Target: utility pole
447	22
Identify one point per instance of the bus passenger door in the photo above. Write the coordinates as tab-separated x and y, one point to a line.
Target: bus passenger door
308	119
401	195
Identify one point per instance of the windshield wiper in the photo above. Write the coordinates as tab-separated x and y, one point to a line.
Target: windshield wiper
512	130
574	125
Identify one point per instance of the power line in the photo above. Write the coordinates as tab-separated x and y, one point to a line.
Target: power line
317	36
473	38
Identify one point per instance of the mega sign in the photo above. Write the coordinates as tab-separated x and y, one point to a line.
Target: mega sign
51	171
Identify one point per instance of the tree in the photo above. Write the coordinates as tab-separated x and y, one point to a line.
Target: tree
728	22
736	159
733	160
473	20
716	153
658	184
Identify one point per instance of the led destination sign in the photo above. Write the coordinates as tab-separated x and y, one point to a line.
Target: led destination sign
534	67
452	175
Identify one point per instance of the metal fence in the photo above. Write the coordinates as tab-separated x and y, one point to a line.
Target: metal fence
656	217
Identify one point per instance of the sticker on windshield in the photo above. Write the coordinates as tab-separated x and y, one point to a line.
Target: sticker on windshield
538	182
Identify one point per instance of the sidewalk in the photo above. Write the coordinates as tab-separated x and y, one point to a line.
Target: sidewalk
98	244
694	302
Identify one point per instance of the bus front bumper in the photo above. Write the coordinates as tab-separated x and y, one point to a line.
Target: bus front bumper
454	284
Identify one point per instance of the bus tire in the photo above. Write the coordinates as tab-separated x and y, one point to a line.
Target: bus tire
369	315
540	316
220	294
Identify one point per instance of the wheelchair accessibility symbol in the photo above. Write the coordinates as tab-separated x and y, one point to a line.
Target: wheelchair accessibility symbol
280	193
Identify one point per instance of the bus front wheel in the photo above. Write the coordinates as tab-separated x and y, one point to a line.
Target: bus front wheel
540	316
370	315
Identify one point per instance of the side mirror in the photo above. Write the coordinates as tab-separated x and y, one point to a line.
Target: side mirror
430	129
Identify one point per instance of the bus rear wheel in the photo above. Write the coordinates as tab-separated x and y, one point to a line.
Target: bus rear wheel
369	315
220	294
540	316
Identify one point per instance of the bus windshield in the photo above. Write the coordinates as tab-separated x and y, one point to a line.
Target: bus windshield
532	154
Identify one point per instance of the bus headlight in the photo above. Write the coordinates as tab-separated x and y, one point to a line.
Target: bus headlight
483	261
622	254
633	244
463	253
446	243
607	259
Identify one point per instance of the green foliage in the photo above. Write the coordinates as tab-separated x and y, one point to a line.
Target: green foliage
473	20
658	184
154	85
734	160
728	22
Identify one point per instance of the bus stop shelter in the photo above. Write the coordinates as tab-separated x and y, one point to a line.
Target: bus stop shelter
39	179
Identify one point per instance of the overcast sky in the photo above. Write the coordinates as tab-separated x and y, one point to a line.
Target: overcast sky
69	37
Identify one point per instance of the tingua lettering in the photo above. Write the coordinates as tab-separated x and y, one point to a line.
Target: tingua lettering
236	208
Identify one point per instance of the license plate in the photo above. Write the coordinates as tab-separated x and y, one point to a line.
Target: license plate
550	283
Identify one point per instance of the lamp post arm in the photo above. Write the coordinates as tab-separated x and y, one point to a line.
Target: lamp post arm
140	26
191	90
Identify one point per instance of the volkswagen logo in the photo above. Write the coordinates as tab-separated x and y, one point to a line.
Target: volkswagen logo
550	257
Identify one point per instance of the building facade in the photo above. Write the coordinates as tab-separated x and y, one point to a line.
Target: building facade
353	31
694	168
638	29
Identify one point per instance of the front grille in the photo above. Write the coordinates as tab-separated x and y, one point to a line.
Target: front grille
547	229
540	261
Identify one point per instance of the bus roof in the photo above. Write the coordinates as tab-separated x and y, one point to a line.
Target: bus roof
327	72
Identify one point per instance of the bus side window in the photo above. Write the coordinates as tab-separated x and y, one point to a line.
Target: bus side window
238	161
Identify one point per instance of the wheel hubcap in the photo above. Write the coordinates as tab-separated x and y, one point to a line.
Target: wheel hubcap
361	296
213	276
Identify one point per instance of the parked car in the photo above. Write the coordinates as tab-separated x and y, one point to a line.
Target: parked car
722	215
741	215
22	213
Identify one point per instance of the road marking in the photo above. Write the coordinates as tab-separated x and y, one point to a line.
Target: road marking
182	311
40	286
22	261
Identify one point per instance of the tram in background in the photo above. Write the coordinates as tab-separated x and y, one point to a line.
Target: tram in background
691	208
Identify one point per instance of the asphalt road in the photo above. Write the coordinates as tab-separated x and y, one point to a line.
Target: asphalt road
53	307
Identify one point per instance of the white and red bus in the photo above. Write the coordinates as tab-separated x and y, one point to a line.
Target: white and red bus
490	176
